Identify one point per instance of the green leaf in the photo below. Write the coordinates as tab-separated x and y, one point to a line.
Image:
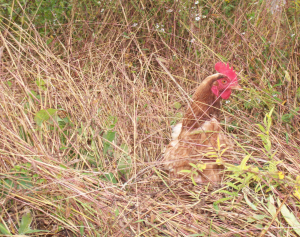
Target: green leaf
287	138
235	194
36	231
25	182
298	92
3	230
193	180
216	207
33	93
9	83
117	212
111	122
139	221
25	223
41	83
108	139
82	229
261	128
259	226
185	171
44	115
124	163
249	202
271	207
232	185
265	121
250	219
222	200
127	37
267	145
289	217
287	118
244	162
177	105
259	217
111	178
193	165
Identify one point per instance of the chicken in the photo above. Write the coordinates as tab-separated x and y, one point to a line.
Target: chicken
200	132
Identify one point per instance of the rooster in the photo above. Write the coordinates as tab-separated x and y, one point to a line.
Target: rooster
200	132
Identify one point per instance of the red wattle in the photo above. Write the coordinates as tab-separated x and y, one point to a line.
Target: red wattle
226	94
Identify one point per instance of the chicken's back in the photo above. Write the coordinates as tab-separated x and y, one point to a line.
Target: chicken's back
192	146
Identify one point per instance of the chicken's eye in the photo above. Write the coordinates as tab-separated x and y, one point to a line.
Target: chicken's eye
224	81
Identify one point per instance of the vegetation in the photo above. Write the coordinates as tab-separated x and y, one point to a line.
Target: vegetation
90	89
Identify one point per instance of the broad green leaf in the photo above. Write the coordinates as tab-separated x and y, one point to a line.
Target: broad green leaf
25	223
25	182
250	219
44	115
108	138
111	178
124	163
259	226
289	217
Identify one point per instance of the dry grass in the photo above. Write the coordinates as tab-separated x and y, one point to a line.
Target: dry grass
94	167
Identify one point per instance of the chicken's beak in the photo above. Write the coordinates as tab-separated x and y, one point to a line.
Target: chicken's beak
236	86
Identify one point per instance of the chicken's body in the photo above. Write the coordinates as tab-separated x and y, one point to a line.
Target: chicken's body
199	134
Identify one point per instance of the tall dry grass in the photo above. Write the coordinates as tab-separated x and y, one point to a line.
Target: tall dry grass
87	108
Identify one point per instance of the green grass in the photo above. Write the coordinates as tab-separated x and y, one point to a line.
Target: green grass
89	91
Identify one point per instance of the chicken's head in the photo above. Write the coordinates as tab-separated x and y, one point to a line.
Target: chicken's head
223	86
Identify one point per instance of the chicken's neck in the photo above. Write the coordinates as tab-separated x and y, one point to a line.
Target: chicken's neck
203	107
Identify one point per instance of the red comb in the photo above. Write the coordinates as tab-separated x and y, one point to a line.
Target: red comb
226	70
